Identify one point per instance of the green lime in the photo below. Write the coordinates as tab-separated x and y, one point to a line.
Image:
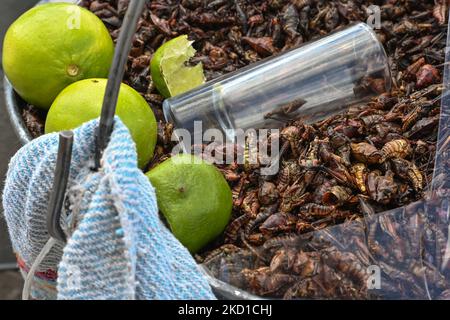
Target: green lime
52	46
194	198
170	74
82	101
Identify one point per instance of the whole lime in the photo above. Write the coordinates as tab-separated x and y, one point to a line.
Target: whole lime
53	45
170	74
194	198
82	101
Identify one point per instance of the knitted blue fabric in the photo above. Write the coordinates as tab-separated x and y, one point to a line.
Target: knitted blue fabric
118	248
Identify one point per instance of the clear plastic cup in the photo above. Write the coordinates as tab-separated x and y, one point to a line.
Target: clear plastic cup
311	82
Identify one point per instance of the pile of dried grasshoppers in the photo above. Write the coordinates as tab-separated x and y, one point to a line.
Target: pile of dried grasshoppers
397	255
374	158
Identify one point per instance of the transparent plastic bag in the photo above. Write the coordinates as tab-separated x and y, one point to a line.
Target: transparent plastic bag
399	254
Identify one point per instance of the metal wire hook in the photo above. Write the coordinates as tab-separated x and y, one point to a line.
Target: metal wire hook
115	77
60	180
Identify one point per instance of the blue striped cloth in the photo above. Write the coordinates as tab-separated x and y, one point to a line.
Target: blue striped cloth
118	248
